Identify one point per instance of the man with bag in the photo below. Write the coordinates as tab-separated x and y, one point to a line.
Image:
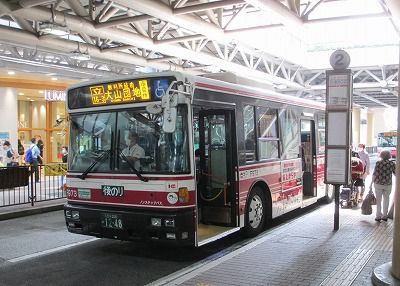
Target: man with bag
31	156
382	180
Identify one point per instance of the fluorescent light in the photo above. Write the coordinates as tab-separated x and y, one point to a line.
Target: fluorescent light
11	72
53	29
79	56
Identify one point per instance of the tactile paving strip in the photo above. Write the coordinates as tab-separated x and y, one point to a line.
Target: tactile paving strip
347	271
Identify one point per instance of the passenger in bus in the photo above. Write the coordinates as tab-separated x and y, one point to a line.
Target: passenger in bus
133	151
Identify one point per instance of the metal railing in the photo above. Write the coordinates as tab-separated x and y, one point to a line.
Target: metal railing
18	185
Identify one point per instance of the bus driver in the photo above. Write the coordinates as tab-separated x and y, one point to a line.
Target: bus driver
133	151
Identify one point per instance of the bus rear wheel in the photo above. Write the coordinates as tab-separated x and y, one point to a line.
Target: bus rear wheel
255	213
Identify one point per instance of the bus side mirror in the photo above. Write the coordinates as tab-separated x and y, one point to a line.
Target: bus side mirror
169	121
169	103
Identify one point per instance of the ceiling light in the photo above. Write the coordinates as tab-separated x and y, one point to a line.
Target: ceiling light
21	93
11	72
41	91
54	78
53	29
77	55
31	100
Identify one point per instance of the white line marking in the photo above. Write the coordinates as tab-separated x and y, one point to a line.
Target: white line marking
49	251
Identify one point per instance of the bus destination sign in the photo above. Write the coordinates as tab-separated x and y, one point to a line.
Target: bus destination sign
119	92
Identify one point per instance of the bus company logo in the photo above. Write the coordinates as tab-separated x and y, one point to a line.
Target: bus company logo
172	186
172	198
112	191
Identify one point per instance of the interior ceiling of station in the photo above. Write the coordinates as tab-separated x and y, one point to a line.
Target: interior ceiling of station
268	40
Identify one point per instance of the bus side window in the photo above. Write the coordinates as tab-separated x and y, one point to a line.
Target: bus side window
249	134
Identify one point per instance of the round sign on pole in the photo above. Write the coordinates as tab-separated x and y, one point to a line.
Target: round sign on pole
339	60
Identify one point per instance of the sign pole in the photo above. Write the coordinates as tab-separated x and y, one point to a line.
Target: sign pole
336	215
339	92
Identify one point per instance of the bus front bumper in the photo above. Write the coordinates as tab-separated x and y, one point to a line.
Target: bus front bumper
175	227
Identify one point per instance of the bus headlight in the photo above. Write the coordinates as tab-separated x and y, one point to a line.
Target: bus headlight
155	221
170	235
75	215
68	214
169	222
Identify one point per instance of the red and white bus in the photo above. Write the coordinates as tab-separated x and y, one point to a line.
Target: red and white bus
388	141
214	157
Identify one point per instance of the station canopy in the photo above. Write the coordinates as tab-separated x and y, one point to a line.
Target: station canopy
285	43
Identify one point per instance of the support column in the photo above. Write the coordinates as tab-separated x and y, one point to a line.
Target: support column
9	114
389	273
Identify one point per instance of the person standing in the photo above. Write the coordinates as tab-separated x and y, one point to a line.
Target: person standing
10	155
64	158
34	149
40	145
382	180
364	156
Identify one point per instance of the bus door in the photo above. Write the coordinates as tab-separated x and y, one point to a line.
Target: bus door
215	188
309	159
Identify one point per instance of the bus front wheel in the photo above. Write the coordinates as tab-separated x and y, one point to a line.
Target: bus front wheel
255	213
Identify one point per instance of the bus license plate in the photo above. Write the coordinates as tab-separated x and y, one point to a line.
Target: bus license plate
111	220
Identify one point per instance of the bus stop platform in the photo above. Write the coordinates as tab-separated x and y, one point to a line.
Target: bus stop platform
305	251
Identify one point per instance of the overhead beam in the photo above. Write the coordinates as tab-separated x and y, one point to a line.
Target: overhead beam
56	44
122	21
79	24
206	6
77	7
370	98
280	11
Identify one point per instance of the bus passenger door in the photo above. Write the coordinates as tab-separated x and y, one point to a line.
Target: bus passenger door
308	153
215	189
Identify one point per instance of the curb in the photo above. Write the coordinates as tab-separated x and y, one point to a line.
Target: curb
31	211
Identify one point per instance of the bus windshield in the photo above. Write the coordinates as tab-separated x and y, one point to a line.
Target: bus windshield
387	140
107	140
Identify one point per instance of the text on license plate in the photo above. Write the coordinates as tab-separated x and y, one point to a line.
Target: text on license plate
111	220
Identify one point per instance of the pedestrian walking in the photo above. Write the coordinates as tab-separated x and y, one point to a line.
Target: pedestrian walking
364	156
382	181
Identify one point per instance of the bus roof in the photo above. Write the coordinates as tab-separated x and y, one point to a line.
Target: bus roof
247	88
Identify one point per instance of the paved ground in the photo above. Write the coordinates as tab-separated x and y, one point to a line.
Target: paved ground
304	252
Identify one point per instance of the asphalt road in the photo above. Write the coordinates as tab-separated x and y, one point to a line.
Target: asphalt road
37	250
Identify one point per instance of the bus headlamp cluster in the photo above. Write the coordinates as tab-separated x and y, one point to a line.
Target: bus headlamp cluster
158	222
72	214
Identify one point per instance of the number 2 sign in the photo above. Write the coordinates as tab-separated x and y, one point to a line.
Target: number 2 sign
339	60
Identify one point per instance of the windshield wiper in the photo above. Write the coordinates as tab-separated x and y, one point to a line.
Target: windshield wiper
98	159
137	173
